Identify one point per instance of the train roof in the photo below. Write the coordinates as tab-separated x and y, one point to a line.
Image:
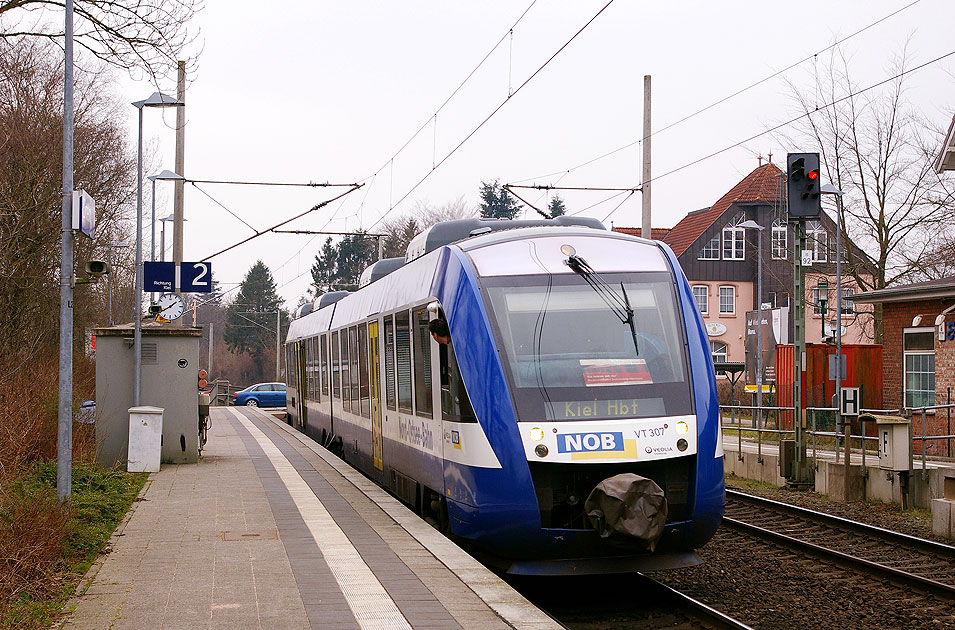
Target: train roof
447	232
379	270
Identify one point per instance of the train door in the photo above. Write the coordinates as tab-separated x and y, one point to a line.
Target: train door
301	407
375	377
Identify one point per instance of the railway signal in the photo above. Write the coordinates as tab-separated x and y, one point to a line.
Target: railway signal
802	185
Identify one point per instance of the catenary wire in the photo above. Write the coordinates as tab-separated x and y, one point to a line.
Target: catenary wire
491	115
725	98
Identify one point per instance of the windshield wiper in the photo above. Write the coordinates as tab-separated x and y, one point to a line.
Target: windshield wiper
619	307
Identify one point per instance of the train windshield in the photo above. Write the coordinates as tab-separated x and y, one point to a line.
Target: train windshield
570	358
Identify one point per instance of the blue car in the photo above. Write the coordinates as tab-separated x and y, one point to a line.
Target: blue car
261	395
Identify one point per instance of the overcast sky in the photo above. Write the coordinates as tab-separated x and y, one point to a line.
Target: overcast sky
308	91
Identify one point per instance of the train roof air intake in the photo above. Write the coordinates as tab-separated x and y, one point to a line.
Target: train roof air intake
446	232
379	270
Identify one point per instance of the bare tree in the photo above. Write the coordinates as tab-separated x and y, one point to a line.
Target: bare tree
878	149
402	229
31	124
147	34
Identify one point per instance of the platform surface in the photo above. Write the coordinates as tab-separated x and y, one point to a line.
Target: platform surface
269	530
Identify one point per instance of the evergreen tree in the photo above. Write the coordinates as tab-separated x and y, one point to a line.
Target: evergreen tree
323	270
497	202
556	207
250	319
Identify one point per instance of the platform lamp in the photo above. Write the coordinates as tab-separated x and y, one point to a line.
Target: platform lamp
164	176
157	99
162	235
752	225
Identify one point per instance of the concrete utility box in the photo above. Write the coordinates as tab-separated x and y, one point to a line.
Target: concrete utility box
170	362
895	442
145	439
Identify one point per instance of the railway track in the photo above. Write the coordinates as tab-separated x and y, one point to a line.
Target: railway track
923	565
618	602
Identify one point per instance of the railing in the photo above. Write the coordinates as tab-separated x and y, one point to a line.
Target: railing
759	426
221	392
909	412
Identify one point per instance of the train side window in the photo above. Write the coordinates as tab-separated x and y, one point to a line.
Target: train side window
313	369
324	363
363	370
390	398
346	372
353	356
336	367
403	356
455	404
424	403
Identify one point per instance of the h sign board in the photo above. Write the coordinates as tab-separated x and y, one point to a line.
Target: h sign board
851	401
83	213
186	277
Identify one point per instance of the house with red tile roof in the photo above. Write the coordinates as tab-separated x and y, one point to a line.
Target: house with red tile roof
720	259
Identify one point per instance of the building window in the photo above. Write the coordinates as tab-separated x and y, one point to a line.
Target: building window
733	248
702	295
711	251
918	357
848	306
779	299
718	351
727	300
780	242
818	241
820	299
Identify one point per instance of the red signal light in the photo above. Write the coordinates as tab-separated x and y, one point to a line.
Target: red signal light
813	174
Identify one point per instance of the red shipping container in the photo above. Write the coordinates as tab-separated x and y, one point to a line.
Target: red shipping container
863	370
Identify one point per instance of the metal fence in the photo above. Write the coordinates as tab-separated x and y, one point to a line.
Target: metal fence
766	420
221	393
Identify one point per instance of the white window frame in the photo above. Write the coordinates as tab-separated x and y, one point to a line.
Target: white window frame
708	251
714	354
848	306
704	307
818	239
784	232
906	354
733	289
737	243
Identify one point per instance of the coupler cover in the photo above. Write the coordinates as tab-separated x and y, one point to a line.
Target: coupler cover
628	509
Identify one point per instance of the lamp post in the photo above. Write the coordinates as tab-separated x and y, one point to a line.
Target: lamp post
166	175
155	100
752	225
829	189
109	280
162	236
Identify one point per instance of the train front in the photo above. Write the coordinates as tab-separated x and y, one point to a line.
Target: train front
596	392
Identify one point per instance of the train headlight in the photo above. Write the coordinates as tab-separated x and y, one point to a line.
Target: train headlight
567	250
681	444
541	450
537	434
682	428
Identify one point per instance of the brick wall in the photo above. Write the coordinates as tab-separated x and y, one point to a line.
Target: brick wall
897	316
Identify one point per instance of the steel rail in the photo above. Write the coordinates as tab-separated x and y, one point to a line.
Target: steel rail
899	576
711	617
881	533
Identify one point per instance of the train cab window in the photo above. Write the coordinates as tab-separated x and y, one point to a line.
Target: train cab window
424	403
455	404
346	372
353	356
336	367
403	356
390	398
363	370
324	363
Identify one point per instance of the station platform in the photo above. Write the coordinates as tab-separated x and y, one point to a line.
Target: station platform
269	530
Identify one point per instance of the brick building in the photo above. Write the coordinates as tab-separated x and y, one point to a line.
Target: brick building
918	354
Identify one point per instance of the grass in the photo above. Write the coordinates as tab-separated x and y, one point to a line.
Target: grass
60	544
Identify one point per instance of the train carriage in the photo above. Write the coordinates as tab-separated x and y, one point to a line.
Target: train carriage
576	356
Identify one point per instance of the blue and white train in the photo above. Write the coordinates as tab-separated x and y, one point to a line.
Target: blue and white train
544	391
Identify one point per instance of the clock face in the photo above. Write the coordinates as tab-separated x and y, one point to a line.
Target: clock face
171	306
